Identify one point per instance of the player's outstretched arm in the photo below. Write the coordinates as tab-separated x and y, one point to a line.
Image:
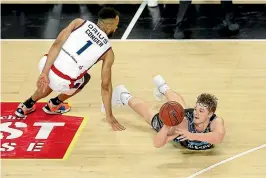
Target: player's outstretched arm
216	135
58	43
106	85
161	137
167	134
106	89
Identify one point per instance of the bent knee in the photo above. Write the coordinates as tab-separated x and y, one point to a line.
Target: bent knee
87	78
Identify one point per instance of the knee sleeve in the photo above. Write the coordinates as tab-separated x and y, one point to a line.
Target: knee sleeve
87	78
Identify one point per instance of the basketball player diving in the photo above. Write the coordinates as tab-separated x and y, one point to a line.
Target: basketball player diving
200	129
64	69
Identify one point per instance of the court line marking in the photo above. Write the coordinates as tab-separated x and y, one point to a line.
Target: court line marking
76	137
226	160
134	19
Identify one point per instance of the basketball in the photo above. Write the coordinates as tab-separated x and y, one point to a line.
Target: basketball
171	113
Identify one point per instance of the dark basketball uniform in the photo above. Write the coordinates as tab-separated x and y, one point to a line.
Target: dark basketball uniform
157	124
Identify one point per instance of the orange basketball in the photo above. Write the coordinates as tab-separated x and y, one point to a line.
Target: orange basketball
171	113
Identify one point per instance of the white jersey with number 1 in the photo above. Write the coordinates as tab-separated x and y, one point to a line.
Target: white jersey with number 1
82	49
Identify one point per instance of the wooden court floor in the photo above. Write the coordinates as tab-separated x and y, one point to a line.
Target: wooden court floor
235	71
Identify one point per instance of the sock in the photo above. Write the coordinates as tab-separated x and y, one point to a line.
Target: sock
163	88
56	101
125	97
29	103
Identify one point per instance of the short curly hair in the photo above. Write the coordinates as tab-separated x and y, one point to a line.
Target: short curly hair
208	100
107	13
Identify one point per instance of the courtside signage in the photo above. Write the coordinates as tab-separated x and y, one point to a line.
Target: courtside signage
38	136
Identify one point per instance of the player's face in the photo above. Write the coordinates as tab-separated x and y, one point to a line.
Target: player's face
113	27
201	113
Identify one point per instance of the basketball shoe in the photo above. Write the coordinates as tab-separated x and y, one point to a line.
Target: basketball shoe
23	111
160	87
120	97
51	108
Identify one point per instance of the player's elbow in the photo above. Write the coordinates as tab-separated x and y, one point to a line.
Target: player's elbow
105	85
158	143
219	139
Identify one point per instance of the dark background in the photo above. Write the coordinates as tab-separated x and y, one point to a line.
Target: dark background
205	21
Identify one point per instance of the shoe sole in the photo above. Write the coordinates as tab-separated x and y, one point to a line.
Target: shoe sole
54	113
24	115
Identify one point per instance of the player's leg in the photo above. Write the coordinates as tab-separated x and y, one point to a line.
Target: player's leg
28	106
141	107
57	106
63	97
162	89
121	96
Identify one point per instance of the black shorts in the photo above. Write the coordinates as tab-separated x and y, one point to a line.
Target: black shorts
156	122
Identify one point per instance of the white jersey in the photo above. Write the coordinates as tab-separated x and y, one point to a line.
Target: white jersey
82	50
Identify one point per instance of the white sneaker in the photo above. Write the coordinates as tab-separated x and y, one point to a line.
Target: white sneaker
116	96
158	82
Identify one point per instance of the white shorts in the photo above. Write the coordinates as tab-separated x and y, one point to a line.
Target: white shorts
57	83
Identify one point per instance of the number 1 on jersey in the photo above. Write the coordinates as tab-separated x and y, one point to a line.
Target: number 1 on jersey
83	48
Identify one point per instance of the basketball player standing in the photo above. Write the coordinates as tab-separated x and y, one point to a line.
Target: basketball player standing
64	69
